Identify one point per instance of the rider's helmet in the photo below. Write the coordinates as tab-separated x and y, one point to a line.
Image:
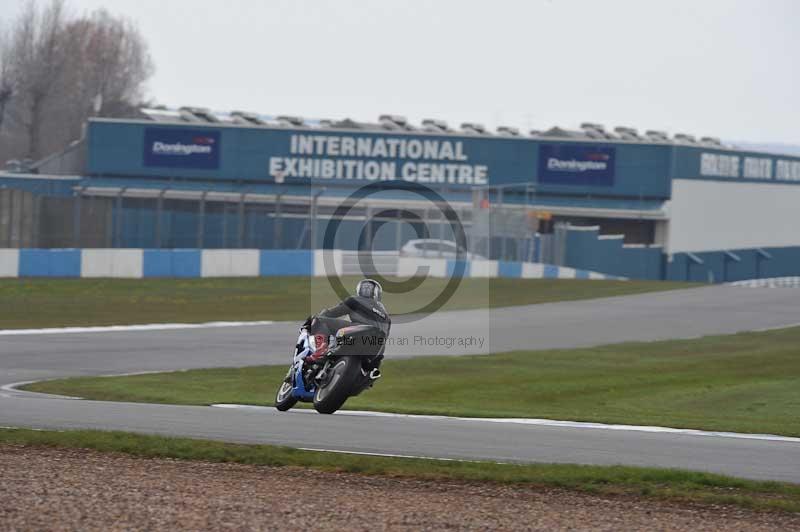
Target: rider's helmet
369	288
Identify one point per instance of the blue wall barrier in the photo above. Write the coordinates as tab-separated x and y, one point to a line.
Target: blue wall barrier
594	259
194	263
734	265
50	263
172	263
587	250
287	262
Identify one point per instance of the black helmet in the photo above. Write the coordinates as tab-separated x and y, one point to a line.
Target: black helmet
369	288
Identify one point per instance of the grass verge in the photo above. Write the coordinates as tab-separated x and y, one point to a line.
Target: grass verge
748	382
33	303
667	484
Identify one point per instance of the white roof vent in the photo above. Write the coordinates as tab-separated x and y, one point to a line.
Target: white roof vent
290	120
685	137
656	135
508	131
394	122
472	127
246	117
197	114
627	133
593	125
434	125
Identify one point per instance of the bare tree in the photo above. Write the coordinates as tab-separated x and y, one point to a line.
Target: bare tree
6	76
38	59
57	70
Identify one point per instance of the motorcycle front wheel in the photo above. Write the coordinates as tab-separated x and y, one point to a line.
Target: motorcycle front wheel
334	391
284	400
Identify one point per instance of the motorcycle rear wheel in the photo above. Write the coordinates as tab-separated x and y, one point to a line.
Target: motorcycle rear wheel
331	394
284	400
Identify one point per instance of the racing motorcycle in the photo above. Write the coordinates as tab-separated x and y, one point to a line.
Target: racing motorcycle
347	368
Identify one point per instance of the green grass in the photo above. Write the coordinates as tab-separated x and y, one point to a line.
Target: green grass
747	382
31	303
618	480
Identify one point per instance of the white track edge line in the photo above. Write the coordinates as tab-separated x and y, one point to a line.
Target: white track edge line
546	423
129	328
13	390
392	455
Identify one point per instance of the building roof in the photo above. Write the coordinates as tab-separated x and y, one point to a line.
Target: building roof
388	122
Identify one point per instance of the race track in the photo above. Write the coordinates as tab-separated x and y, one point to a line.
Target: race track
664	315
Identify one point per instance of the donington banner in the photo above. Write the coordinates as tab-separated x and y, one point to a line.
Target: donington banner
181	148
576	164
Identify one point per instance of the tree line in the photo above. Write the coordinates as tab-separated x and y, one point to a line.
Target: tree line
58	69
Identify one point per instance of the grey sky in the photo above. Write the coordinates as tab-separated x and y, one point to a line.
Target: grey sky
718	67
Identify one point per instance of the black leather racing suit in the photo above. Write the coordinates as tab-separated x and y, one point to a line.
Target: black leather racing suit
360	310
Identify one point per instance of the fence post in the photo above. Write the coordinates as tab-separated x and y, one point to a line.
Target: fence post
313	233
118	232
367	228
159	209
201	222
77	204
398	230
240	228
277	224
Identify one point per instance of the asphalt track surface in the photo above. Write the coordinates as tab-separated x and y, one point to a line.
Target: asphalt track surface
655	316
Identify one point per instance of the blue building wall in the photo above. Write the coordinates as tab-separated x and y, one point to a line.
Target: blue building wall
118	148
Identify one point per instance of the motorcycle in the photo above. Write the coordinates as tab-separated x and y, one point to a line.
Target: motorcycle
346	369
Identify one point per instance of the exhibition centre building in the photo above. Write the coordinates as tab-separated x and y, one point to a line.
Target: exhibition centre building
619	202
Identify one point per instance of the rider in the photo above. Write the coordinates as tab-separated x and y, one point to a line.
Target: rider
363	308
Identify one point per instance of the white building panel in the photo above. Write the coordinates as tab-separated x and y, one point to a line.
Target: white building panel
722	215
9	263
119	263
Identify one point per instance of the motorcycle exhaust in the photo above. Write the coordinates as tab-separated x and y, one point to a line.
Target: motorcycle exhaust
375	374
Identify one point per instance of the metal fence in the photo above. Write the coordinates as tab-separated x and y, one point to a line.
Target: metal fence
498	223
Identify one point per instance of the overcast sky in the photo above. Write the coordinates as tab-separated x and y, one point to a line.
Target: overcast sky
724	68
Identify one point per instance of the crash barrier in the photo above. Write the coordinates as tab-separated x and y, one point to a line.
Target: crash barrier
432	267
190	263
775	282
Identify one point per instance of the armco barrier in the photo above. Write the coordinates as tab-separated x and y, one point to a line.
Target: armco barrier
191	263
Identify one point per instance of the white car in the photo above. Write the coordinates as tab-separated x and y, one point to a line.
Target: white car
435	248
